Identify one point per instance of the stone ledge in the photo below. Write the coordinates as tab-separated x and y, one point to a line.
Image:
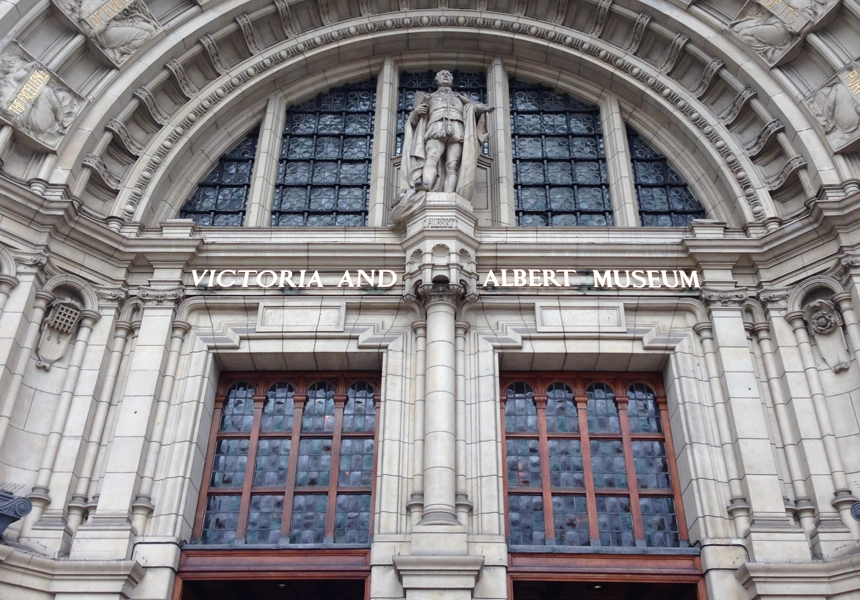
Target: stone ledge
438	572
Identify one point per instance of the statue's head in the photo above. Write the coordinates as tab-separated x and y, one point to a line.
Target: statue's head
444	79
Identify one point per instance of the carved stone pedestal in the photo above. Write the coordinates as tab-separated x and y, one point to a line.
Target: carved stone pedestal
438	577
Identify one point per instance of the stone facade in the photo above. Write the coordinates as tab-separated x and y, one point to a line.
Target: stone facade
114	335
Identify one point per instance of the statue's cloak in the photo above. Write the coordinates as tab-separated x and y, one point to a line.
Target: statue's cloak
475	133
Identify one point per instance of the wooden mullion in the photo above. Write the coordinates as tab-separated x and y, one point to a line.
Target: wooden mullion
244	507
546	488
673	470
339	401
590	499
505	486
207	471
632	482
377	407
295	440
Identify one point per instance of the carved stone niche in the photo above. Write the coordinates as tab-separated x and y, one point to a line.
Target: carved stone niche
775	28
34	100
58	329
825	324
115	28
836	106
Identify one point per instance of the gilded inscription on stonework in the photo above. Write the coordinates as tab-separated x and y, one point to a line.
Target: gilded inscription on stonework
794	19
29	91
835	105
106	12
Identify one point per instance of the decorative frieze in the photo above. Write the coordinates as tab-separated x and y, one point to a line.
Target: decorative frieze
116	28
33	99
836	106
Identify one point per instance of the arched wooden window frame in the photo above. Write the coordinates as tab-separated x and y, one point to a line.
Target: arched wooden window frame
620	384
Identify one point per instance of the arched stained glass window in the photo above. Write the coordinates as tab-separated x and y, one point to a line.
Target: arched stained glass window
220	199
665	200
324	170
473	85
559	159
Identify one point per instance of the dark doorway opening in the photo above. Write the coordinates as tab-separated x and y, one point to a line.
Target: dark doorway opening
287	589
602	590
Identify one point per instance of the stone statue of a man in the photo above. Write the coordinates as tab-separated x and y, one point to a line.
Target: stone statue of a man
442	138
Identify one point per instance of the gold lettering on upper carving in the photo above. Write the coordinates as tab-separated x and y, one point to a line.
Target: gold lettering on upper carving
29	91
854	84
109	9
787	14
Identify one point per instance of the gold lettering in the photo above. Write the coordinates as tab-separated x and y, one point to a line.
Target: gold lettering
29	91
106	9
117	5
95	19
16	108
852	74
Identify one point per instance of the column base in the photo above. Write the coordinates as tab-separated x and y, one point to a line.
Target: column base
51	535
104	538
438	577
832	538
772	539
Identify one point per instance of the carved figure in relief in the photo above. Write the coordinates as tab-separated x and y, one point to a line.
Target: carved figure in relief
116	28
837	110
48	114
443	136
764	32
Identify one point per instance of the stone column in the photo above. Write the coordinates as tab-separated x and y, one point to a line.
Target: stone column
7	282
40	495
440	300
78	504
109	534
843	498
846	307
382	171
619	168
262	190
772	536
31	338
464	506
416	501
502	173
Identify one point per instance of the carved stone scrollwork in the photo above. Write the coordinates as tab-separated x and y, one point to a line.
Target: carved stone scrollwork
708	74
185	84
638	31
58	328
791	167
33	99
774	299
825	322
725	298
740	100
12	507
855	511
836	106
160	296
214	54
123	138
286	18
155	111
99	168
117	28
249	34
600	17
755	146
675	52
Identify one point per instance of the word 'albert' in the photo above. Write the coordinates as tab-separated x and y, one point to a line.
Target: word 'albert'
610	278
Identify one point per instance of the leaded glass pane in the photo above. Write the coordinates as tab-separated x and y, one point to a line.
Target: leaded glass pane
352	519
565	464
279	407
643	410
607	464
221	197
356	462
526	520
557	141
570	516
523	463
520	411
659	522
651	464
614	521
307	524
314	466
237	413
359	413
264	519
324	170
665	200
228	466
601	409
561	415
221	519
273	459
319	408
473	85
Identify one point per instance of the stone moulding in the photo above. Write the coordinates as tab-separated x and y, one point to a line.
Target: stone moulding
115	28
34	100
646	75
836	107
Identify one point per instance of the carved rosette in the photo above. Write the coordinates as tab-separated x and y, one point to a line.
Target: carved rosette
33	99
824	322
116	28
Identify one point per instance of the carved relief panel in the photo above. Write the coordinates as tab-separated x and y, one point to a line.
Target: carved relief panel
33	99
116	28
57	331
836	105
775	28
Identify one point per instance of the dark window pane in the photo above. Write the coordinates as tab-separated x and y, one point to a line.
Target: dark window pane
273	459
279	407
228	466
221	197
665	199
523	458
526	520
565	464
314	465
659	522
356	462
352	519
221	519
307	525
264	519
328	144
557	141
359	413
319	408
614	521
520	411
570	516
238	411
601	409
643	411
561	413
607	464
651	464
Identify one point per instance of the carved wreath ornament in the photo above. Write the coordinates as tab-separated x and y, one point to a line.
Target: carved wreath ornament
824	321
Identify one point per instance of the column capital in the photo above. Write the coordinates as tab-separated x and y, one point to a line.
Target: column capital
43	297
705	329
843	300
420	327
761	330
180	328
796	320
724	298
110	297
89	317
448	293
10	281
152	296
461	327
